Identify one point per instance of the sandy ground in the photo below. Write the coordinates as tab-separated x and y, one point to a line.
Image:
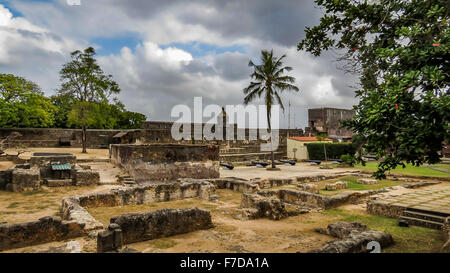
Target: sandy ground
91	153
18	207
108	172
300	169
4	165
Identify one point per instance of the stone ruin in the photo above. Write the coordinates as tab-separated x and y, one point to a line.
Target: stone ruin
137	227
46	229
156	162
49	169
352	238
339	185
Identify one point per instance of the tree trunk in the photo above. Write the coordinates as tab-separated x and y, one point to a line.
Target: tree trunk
83	138
325	152
272	156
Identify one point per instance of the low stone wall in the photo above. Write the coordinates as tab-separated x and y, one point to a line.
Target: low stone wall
234	184
45	230
303	198
44	163
256	206
24	180
73	208
138	227
155	162
86	177
339	185
50	137
5	178
382	208
309	188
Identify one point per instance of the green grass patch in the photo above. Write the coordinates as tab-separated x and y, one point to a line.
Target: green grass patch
407	240
408	170
13	205
28	193
163	243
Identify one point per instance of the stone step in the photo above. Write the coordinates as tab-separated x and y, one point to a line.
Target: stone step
424	216
421	222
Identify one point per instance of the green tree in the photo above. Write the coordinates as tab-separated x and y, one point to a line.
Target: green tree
23	104
84	80
400	49
268	81
64	104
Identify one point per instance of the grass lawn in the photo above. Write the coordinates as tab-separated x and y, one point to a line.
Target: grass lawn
409	170
407	240
352	185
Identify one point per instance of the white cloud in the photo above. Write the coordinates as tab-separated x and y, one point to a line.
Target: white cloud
153	78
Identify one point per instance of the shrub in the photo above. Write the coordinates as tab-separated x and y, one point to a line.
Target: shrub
334	150
348	159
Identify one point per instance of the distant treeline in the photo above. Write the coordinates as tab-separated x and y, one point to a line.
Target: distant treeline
23	105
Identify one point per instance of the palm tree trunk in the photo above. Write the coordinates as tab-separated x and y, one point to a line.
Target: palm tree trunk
83	139
272	156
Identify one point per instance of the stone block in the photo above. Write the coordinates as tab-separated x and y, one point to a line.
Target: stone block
86	177
110	240
25	180
367	181
309	188
138	227
339	185
256	206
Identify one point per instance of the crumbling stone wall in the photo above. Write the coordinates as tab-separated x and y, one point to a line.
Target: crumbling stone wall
303	198
256	206
110	240
44	163
24	180
73	208
167	161
339	185
50	137
45	230
235	184
354	238
382	208
5	178
86	177
138	227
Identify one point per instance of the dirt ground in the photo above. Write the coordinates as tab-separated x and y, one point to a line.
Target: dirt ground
230	234
18	207
91	153
299	169
4	165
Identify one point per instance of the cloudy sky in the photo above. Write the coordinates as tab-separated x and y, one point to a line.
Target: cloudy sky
163	53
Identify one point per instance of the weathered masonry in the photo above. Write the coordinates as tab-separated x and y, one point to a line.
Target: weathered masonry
155	162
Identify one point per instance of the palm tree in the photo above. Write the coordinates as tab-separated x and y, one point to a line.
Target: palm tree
269	82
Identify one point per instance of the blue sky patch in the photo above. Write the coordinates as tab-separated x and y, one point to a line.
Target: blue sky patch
8	5
113	45
198	49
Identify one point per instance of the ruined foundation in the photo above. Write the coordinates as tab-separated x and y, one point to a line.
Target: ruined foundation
73	208
155	162
47	229
353	238
138	227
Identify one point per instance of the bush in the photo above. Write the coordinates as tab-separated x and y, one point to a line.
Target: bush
348	159
334	150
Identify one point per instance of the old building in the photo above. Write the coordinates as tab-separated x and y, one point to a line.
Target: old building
328	121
